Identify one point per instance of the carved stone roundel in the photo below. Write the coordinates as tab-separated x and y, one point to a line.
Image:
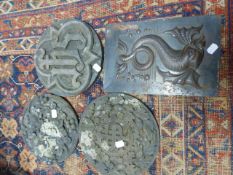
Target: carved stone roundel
50	128
119	135
65	56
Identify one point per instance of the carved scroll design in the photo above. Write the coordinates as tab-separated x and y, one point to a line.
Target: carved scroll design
65	55
113	118
52	138
181	64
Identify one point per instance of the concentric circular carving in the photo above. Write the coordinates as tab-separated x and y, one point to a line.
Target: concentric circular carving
65	56
119	135
146	55
50	128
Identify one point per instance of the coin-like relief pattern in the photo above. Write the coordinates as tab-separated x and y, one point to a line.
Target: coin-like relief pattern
119	135
65	56
50	128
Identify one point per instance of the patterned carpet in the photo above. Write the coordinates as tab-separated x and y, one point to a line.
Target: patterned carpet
196	132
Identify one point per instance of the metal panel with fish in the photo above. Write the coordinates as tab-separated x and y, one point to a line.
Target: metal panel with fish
178	56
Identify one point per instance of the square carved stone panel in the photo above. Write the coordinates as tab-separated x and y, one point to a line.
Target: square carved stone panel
178	56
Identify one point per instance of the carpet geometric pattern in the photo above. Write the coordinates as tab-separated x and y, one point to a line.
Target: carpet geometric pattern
195	132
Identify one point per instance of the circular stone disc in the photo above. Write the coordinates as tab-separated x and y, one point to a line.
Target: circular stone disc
50	128
119	135
65	56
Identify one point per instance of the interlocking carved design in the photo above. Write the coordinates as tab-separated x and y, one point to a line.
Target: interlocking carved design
65	55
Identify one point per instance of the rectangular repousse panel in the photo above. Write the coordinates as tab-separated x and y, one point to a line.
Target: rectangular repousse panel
178	56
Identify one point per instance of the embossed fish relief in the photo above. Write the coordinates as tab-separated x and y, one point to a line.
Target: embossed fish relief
181	64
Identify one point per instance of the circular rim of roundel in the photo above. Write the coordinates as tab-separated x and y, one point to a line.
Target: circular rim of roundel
56	132
87	139
65	57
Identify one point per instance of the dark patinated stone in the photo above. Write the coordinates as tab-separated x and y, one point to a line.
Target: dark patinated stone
119	135
65	56
50	128
168	56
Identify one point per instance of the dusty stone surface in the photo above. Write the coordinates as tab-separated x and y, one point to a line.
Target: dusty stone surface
52	136
119	135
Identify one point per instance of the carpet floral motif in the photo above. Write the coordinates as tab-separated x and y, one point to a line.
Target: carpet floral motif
28	161
8	94
195	132
9	128
75	166
5	69
9	156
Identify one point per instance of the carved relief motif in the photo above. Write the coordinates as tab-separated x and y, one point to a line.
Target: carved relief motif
119	119
178	56
183	62
65	55
50	128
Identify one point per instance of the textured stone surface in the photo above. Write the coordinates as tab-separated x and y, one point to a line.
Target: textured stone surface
173	56
50	127
119	135
65	56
